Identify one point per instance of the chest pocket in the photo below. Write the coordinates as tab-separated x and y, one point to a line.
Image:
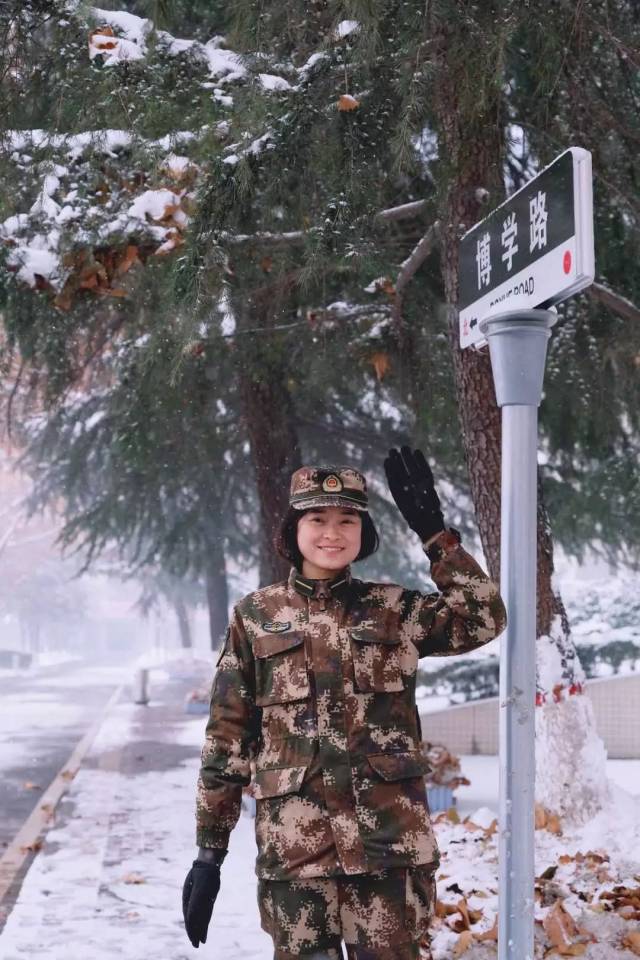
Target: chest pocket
376	660
281	668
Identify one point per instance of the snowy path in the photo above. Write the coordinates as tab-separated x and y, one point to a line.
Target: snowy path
45	713
108	880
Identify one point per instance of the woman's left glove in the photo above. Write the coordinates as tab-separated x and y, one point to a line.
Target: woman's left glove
199	893
411	484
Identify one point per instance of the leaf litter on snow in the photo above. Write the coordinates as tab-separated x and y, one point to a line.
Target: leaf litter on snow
587	887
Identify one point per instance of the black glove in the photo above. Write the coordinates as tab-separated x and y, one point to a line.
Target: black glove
411	484
198	897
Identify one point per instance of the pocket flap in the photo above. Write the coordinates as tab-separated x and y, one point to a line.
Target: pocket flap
269	644
278	781
398	766
373	635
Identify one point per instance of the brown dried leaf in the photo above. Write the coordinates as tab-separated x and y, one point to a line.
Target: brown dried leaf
464	942
127	258
559	926
632	942
68	774
491	934
464	912
347	102
32	847
136	878
553	824
540	817
28	785
380	363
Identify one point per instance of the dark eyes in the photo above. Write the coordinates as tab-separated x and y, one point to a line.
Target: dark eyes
343	520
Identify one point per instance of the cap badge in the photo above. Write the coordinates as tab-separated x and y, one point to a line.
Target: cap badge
332	484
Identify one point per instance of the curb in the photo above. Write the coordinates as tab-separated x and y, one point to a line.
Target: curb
26	841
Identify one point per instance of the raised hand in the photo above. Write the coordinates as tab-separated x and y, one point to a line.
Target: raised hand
411	484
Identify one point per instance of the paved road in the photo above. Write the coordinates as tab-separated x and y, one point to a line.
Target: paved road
43	715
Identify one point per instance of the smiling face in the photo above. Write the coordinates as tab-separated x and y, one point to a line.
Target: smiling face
329	539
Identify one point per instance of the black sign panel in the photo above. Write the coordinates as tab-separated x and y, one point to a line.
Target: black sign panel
535	220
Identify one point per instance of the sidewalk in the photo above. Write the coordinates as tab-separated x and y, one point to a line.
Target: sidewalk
107	882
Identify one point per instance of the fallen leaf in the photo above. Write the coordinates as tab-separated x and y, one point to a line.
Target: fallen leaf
559	926
28	785
464	942
47	808
464	911
136	878
32	847
68	774
540	817
491	934
553	824
347	102
632	941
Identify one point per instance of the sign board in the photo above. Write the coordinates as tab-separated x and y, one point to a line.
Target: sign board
534	250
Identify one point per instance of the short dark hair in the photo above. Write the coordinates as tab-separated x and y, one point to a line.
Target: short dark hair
286	537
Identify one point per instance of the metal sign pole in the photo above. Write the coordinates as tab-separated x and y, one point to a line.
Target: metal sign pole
518	346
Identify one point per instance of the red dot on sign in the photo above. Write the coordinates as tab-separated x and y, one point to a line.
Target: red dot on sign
566	261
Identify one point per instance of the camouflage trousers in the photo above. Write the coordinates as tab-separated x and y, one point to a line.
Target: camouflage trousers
379	916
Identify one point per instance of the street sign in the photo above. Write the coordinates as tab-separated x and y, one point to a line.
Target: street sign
534	250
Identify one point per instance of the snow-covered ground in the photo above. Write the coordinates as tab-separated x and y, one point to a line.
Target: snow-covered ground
108	879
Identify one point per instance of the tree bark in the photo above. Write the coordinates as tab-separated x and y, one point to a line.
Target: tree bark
182	616
570	755
217	593
269	418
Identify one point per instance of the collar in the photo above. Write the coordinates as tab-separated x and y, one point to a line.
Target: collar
317	588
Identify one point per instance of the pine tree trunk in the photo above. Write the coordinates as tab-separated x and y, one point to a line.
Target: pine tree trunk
269	418
184	629
571	776
217	593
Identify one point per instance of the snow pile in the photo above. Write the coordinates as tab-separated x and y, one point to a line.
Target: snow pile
587	884
345	28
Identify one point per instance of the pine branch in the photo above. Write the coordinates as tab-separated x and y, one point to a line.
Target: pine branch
614	301
266	237
355	313
405	211
412	264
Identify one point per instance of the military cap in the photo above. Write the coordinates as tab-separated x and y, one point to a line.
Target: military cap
328	487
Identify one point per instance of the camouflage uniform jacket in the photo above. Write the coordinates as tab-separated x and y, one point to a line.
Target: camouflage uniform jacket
316	685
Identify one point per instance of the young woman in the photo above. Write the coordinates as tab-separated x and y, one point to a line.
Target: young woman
316	685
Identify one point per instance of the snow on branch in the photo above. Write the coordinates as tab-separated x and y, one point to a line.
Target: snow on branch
614	301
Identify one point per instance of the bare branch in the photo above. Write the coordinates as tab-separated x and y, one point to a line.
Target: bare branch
404	212
413	263
614	301
266	237
322	316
